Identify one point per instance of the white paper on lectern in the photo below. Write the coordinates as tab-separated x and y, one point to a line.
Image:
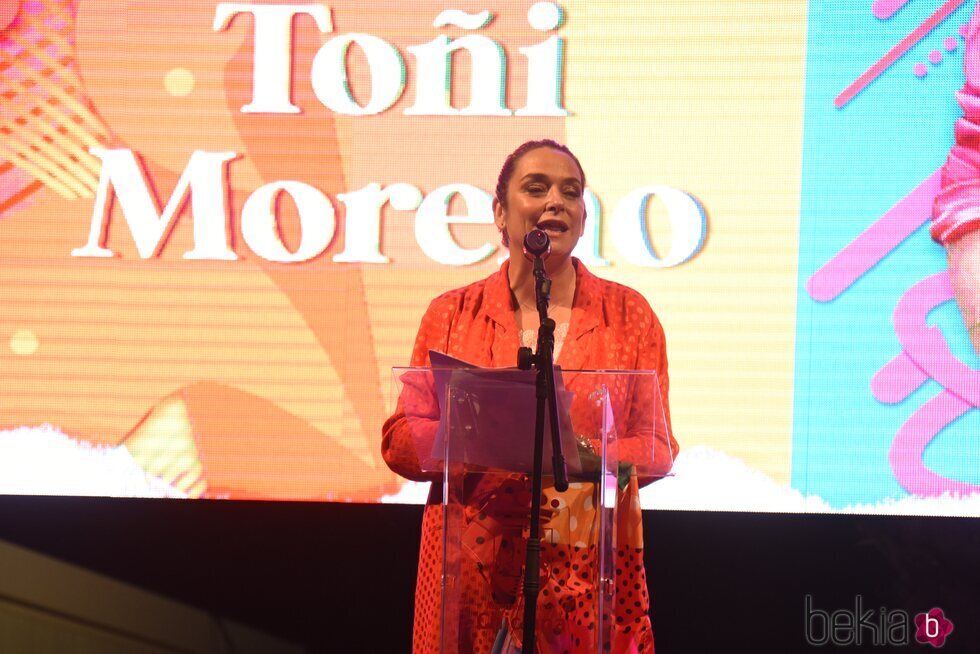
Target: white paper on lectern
495	408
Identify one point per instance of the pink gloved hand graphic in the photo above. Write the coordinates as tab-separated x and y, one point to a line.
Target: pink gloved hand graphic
956	213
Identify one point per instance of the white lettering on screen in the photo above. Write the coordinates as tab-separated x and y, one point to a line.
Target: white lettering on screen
272	65
204	178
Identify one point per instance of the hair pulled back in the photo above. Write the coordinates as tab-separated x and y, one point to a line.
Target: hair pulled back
510	163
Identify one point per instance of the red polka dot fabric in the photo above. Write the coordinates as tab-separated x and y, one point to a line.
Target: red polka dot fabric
612	328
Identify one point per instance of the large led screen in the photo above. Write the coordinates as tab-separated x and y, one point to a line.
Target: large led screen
220	224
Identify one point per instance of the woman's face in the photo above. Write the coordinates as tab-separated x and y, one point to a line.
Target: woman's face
545	192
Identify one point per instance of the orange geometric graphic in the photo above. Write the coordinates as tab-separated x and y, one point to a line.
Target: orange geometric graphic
46	122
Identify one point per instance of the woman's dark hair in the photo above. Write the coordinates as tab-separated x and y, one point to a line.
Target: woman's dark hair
510	163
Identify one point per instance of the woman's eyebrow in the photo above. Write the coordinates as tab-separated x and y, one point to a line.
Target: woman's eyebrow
545	176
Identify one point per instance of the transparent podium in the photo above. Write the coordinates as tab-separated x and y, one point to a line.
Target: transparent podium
473	428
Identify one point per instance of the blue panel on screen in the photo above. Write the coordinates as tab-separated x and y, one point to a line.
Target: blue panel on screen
860	160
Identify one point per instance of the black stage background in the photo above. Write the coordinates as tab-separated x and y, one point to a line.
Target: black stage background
340	577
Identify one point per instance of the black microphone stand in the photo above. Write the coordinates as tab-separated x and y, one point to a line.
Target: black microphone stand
545	392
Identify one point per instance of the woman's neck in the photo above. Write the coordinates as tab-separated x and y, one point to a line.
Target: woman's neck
521	277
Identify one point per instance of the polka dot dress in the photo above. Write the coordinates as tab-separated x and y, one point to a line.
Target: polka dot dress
612	328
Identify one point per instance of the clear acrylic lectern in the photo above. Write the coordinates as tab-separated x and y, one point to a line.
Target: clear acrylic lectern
473	429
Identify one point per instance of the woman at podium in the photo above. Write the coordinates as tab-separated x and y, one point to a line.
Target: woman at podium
600	325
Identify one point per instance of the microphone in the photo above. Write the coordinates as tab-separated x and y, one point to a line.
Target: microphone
537	245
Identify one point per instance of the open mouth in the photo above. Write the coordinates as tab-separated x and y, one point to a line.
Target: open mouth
552	227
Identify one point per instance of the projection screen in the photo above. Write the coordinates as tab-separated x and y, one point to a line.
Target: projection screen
220	224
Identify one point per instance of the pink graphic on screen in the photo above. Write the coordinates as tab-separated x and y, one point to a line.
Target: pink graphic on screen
925	354
883	236
884	9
